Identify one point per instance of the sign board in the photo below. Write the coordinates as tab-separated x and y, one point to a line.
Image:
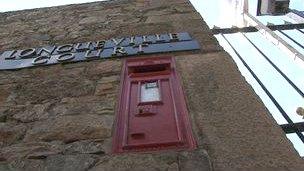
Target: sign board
113	48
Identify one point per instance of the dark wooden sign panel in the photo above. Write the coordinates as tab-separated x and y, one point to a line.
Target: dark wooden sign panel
152	113
116	47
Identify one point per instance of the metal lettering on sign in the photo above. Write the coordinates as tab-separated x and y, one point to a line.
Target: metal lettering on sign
116	47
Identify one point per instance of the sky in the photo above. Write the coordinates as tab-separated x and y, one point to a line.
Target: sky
215	13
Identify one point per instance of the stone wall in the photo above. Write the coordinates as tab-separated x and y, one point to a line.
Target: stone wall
61	117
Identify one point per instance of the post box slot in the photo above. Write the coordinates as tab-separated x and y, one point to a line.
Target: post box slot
138	135
149	68
145	114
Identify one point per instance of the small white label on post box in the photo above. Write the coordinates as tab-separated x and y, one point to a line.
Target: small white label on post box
150	92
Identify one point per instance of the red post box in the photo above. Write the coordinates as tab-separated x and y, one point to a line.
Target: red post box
152	113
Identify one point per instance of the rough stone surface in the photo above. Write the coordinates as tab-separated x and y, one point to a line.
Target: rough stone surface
137	162
88	147
4	166
70	162
26	165
32	113
33	150
195	161
71	128
10	133
61	117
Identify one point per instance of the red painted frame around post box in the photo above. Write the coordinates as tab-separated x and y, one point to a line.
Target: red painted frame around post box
153	125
